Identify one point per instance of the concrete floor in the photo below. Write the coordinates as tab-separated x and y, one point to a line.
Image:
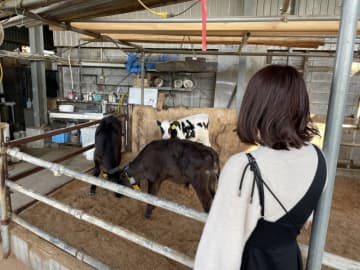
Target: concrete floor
42	182
11	263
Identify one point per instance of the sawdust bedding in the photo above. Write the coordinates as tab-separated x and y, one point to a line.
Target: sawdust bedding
169	229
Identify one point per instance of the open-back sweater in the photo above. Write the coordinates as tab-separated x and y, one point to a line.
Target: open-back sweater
232	218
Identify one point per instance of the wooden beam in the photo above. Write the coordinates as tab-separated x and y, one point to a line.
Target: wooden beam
271	41
219	28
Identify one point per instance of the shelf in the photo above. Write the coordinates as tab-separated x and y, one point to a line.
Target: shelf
175	89
76	115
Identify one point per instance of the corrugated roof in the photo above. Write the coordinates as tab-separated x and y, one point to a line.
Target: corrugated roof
79	9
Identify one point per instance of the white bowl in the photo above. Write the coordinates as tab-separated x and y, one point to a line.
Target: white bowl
66	108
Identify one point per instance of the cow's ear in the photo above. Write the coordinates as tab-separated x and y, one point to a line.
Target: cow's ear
190	124
175	125
158	122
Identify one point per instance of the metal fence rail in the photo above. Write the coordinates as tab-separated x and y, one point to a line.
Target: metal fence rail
60	244
49	134
331	260
334	261
115	229
144	197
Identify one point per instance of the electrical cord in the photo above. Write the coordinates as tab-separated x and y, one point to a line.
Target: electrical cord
167	14
185	10
71	74
160	14
1	72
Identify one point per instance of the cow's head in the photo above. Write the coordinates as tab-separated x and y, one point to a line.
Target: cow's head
174	129
169	129
125	178
164	129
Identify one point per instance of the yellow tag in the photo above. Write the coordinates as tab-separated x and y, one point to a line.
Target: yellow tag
136	187
173	126
105	175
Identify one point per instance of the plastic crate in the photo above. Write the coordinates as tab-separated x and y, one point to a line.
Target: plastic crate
61	138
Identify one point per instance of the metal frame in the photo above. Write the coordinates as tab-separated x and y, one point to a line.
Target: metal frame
4	205
22	20
78	30
36	38
60	244
58	169
115	229
235	53
333	126
11	4
213	20
6	215
334	121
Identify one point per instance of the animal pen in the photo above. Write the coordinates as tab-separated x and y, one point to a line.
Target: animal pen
334	122
8	185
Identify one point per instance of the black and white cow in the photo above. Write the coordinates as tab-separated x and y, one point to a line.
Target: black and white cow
194	128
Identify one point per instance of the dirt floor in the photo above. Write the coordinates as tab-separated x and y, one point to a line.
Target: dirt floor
179	233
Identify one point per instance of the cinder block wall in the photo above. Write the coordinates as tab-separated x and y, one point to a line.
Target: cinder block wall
86	79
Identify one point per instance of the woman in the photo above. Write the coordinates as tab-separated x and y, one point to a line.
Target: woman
264	199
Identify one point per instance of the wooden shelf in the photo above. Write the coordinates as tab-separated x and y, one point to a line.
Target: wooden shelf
175	89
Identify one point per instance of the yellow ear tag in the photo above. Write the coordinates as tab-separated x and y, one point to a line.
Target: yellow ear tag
136	187
173	126
105	175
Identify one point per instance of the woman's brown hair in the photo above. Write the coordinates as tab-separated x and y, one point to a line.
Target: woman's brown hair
275	109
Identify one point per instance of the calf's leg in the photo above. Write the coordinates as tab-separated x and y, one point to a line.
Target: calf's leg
201	187
95	173
153	189
212	184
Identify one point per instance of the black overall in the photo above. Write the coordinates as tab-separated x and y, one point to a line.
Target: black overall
272	245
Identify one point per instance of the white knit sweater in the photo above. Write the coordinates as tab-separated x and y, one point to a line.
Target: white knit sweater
289	174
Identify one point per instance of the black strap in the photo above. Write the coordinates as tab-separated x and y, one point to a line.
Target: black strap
260	181
252	164
260	185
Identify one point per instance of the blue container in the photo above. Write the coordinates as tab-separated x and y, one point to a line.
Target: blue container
61	138
133	64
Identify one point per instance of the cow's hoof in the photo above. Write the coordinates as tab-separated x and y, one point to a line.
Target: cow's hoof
147	216
92	193
118	195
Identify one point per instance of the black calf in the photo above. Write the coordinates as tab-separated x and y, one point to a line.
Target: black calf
107	148
180	161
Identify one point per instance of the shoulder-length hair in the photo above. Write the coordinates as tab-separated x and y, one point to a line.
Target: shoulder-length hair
275	109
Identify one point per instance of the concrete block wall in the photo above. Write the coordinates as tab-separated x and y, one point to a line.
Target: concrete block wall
318	73
350	135
111	80
201	95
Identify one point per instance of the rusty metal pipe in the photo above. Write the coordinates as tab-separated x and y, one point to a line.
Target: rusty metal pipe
49	134
28	172
78	30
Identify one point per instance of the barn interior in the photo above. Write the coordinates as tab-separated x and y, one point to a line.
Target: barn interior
67	64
